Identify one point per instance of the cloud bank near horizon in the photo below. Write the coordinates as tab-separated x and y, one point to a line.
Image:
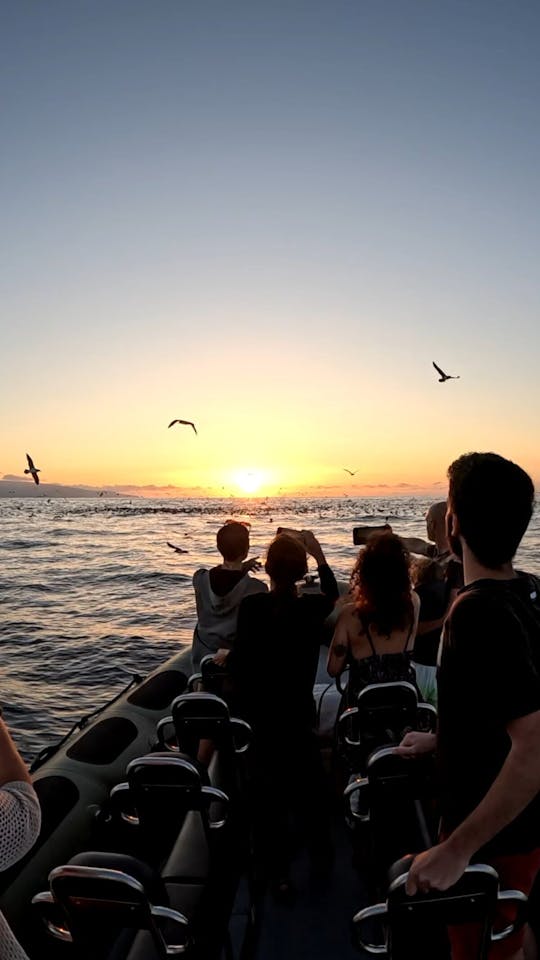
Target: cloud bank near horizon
26	485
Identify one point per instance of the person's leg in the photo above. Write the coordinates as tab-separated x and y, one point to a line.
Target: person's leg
312	803
270	804
516	872
531	941
530	946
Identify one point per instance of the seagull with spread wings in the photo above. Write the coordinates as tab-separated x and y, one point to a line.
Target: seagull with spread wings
187	423
176	549
443	376
352	473
32	469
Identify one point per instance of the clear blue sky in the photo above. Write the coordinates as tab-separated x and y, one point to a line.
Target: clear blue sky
266	212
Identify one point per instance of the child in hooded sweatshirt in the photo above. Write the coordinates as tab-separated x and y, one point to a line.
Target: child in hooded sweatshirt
219	592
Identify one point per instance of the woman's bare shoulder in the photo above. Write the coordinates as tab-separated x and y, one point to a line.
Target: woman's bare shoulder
350	620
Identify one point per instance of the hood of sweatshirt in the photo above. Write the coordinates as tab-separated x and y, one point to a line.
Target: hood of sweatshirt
220	605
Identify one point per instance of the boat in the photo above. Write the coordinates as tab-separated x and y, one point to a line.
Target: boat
145	852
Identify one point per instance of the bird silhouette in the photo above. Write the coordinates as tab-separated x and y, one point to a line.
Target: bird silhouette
352	473
32	469
444	376
187	423
176	549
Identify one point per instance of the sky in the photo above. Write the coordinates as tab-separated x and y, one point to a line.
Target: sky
269	218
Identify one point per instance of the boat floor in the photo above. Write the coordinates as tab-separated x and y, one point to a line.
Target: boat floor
317	924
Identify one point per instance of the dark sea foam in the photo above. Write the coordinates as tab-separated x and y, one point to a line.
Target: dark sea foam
90	594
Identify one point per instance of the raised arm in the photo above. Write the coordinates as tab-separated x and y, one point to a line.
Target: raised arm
419	546
339	648
328	582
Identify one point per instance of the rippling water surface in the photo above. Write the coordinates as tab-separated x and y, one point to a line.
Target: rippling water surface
90	593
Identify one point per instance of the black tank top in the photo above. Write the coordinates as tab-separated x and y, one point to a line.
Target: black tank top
381	667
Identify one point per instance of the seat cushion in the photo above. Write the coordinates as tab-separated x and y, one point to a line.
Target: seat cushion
189	859
186	898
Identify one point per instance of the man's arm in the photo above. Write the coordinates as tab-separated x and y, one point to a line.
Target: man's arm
516	785
416	545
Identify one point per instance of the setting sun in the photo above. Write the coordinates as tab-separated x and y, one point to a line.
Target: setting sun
249	481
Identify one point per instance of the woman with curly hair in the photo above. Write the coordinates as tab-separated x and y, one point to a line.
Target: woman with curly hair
375	633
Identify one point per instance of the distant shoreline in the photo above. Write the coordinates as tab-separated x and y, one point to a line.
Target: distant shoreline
27	490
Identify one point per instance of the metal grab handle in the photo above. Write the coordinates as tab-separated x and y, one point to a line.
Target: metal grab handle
429	712
193	680
242	726
342	719
339	688
378	910
352	788
160	730
61	933
213	794
46	899
166	913
117	794
521	902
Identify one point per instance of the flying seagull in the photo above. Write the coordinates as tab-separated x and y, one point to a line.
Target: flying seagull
187	423
176	549
352	473
444	376
32	469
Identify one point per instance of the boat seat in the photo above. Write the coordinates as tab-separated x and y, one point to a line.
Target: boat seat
381	715
99	901
392	803
211	678
190	857
160	791
210	927
416	925
200	725
203	716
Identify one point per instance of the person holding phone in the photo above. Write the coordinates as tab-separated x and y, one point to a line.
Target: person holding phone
20	822
273	664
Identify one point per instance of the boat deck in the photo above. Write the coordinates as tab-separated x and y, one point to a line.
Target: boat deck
317	926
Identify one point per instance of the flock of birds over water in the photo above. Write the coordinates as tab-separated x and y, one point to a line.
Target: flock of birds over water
34	471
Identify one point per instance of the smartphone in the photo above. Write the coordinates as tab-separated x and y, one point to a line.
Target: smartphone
361	535
290	533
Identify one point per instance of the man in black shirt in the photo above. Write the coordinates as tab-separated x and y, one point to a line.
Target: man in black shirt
489	695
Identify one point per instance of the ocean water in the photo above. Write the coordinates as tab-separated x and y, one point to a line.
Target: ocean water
90	594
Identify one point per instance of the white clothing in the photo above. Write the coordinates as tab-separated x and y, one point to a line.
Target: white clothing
20	822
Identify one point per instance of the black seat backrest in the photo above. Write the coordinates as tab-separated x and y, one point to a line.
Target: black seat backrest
163	787
215	679
399	806
201	716
386	711
472	900
416	925
104	896
393	804
382	713
197	717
